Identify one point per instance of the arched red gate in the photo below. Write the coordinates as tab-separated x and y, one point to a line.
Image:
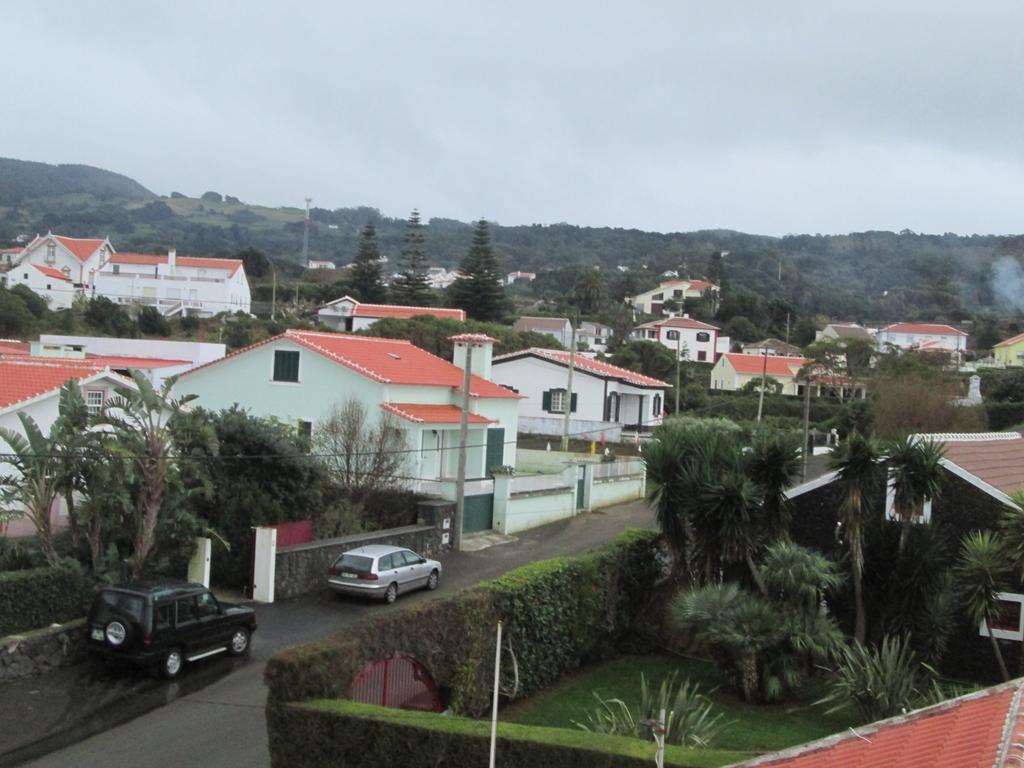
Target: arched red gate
397	681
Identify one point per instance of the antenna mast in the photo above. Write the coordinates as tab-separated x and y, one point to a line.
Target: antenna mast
305	236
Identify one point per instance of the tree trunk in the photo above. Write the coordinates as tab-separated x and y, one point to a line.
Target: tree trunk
756	575
69	499
904	535
748	677
94	532
999	656
40	516
860	624
154	472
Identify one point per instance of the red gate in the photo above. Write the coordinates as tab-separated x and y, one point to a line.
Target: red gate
397	681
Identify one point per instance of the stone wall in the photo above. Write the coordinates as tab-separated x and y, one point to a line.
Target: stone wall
302	568
32	653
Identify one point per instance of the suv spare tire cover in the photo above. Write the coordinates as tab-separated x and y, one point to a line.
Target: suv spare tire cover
118	626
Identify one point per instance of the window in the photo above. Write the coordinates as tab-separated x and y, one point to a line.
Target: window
658	297
51	253
702	356
286	365
207	604
677	294
611	407
163	615
672	335
411	558
656	410
94	401
558	401
187	610
117	269
386	563
652	334
703	336
1008	625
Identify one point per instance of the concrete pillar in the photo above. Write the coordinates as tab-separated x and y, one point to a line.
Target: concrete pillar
265	565
502	491
199	565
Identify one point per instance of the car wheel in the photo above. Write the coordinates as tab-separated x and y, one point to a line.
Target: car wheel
391	594
117	633
239	642
172	664
432	579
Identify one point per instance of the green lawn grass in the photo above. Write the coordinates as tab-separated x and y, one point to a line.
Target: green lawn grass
752	728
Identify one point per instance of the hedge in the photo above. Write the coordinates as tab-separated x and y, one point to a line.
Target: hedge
39	597
1004	415
558	615
345	734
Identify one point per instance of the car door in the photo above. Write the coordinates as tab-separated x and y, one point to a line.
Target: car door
417	574
188	631
387	571
214	630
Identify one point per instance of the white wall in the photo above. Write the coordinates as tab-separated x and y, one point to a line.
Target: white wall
59	294
203	292
909	340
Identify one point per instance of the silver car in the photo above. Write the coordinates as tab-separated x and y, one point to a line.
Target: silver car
382	571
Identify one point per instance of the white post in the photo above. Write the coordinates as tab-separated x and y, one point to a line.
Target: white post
265	564
199	565
659	737
494	705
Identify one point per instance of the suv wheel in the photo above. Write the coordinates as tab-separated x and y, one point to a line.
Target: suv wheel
172	663
391	594
239	642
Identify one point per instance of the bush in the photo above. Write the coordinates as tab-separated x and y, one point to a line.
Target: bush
344	734
40	597
1004	415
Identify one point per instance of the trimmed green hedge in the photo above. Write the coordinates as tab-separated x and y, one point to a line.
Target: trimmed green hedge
558	614
345	734
42	596
1004	415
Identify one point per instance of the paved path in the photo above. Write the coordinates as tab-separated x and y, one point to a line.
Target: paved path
221	723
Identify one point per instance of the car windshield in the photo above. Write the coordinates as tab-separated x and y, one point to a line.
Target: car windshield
111	603
354	563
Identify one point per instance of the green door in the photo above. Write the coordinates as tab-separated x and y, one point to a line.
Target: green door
478	513
495	450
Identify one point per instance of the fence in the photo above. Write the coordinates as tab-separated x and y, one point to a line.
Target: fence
613	469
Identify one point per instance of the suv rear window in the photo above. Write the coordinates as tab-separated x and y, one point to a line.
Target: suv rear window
111	603
354	563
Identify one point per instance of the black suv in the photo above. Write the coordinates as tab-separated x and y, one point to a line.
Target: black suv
165	625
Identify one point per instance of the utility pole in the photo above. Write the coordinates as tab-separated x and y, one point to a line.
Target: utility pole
764	377
568	390
679	354
305	236
460	477
273	296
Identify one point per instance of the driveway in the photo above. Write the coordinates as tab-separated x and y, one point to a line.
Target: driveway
214	714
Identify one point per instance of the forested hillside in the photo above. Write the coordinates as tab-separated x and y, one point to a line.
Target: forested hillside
869	276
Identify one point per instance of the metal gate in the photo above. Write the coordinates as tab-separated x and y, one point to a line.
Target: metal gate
478	513
397	681
580	485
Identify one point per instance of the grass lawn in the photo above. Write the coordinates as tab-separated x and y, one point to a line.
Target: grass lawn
752	728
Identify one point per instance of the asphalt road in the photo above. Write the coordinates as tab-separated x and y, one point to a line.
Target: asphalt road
222	723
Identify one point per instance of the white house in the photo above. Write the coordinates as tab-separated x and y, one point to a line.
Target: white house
771	347
650	302
690	339
52	284
300	377
733	371
843	331
318	264
348	314
8	256
515	277
558	328
57	267
441	278
605	398
925	337
31	386
595	335
175	285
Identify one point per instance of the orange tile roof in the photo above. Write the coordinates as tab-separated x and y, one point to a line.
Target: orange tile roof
1011	340
56	274
396	310
423	413
389	361
587	365
14	347
198	262
777	365
82	248
998	462
18	249
935	328
679	322
23	378
979	730
700	285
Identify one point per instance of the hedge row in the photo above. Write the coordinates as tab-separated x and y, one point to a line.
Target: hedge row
344	734
42	596
1004	415
558	614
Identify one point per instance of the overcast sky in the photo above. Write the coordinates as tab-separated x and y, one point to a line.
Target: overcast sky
766	117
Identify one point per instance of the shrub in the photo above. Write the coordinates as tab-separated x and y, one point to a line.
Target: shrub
37	598
344	734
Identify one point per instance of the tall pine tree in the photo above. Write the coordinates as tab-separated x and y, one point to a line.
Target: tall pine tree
367	284
411	287
479	291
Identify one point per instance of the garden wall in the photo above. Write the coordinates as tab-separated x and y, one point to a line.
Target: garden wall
33	653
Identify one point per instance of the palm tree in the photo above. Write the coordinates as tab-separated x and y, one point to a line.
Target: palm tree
72	442
140	419
774	464
32	488
916	475
856	462
982	572
798	576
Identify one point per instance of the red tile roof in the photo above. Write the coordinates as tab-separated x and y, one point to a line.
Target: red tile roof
930	328
587	365
397	310
10	347
998	461
1011	340
679	322
198	262
18	249
82	248
56	274
777	365
422	413
548	323
979	730
389	361
27	377
701	285
472	338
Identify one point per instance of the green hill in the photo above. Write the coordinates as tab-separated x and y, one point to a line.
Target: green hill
27	183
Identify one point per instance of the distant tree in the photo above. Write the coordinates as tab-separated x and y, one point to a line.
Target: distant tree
360	453
255	262
177	196
411	287
35	303
212	197
108	319
231	199
15	318
647	357
152	323
479	291
589	293
366	277
740	328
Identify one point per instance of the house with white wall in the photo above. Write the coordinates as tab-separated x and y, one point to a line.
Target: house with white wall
651	302
320	264
606	399
50	283
734	370
515	277
770	346
839	330
924	337
558	328
57	267
348	314
301	377
175	285
31	386
595	335
690	339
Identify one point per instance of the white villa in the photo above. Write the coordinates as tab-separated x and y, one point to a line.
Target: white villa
925	337
650	302
348	314
690	339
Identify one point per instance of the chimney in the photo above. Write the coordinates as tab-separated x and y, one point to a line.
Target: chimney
483	351
172	257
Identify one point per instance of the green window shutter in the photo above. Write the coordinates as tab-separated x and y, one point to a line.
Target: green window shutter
572	405
286	365
546	401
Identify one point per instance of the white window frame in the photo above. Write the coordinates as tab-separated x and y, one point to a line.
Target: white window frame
558	401
890	505
91	407
1005	634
